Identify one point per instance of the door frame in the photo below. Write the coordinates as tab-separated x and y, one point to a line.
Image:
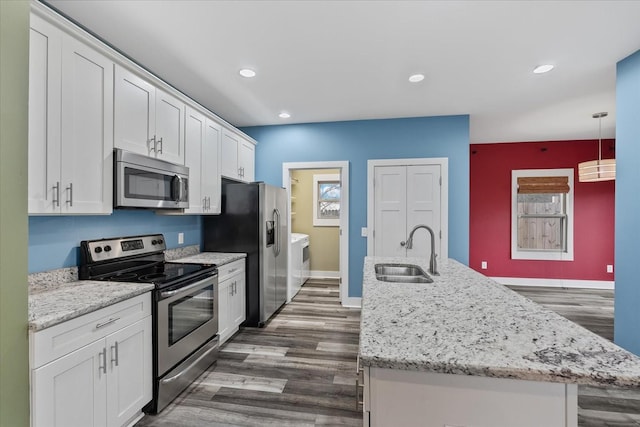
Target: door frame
343	167
443	162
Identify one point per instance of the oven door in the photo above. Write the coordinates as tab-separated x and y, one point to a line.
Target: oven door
187	318
145	182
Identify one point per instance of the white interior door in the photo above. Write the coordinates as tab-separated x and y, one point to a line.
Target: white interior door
423	207
406	196
390	210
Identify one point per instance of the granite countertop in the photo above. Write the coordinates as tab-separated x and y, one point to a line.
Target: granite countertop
217	258
66	301
465	323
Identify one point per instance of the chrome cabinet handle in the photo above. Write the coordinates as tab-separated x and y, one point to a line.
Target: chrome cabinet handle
403	243
108	322
149	141
359	385
56	200
102	365
114	348
204	203
70	198
160	144
208	203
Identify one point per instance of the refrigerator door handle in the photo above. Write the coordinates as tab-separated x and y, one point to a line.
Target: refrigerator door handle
276	220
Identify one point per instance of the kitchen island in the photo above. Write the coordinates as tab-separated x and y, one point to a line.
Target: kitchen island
466	351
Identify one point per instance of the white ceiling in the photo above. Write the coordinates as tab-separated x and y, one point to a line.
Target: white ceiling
349	60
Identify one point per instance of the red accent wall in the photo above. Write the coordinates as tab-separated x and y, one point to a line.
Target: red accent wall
490	209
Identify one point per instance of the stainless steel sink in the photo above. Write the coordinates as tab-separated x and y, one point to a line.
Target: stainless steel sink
401	273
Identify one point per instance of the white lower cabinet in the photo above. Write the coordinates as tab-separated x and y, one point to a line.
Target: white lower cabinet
231	298
104	382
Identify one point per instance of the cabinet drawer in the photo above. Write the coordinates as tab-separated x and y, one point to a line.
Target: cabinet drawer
227	270
51	343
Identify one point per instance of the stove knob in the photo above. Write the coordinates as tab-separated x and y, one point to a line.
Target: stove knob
160	241
154	242
107	248
98	249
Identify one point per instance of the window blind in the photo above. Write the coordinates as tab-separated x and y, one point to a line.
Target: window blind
543	184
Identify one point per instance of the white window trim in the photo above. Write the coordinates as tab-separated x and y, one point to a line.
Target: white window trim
323	222
541	255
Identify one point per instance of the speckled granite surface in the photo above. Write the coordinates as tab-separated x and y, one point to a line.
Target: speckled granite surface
73	299
47	280
176	253
217	258
465	323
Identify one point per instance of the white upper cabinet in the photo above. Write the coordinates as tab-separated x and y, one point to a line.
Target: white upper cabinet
70	125
238	157
202	156
148	120
211	166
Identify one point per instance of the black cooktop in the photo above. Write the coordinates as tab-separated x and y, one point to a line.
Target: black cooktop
159	274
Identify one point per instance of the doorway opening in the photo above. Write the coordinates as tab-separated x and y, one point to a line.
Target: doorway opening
324	202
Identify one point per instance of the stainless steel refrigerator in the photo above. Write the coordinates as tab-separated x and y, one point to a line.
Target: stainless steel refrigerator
254	221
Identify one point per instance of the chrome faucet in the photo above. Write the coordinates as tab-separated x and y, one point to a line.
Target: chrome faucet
433	268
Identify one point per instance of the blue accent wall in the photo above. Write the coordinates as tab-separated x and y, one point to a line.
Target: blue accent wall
627	295
54	240
359	141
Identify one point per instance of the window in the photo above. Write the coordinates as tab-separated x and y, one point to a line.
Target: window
542	214
326	200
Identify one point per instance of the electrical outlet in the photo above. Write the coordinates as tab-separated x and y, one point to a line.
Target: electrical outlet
609	268
484	265
363	231
180	238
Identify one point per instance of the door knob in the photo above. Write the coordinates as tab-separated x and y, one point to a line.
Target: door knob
403	243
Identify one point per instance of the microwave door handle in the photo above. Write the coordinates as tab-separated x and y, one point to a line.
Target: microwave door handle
176	188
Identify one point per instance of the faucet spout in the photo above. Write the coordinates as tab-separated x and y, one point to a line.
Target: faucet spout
433	268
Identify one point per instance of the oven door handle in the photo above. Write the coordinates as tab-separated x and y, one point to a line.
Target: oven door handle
182	372
167	294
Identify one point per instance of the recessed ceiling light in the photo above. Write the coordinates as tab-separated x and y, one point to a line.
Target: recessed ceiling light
545	68
284	115
415	78
247	72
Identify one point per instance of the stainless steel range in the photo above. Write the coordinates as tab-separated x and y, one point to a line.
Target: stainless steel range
185	309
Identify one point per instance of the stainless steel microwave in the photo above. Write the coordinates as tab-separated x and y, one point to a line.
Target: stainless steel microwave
147	182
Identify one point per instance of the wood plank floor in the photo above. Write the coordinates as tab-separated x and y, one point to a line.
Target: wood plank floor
300	369
593	310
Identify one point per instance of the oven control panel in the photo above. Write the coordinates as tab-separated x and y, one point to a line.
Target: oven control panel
112	249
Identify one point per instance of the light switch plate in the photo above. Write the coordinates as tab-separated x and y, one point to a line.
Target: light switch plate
363	232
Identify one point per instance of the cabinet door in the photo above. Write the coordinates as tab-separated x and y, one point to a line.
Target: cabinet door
129	383
238	308
229	163
224	312
194	139
169	127
246	160
87	130
211	166
134	113
71	391
44	117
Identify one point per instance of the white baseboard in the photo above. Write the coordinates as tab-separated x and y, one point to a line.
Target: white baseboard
352	302
556	283
319	274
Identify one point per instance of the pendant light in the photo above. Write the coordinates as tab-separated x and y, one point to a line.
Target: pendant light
601	169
